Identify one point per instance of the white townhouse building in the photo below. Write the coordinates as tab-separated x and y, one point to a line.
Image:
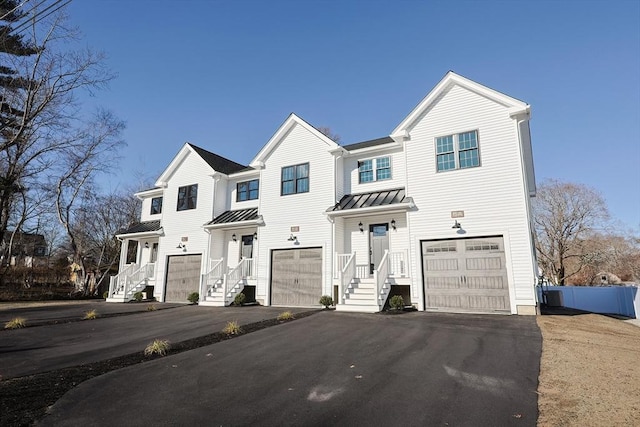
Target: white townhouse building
438	212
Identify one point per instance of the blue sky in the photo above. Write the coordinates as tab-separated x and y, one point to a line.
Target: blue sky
225	74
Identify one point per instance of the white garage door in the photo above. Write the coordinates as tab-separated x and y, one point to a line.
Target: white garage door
465	275
183	277
296	277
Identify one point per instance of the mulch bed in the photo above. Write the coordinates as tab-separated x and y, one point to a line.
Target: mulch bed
24	400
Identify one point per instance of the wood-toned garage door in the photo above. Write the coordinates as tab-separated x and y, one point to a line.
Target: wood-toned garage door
183	277
296	277
465	275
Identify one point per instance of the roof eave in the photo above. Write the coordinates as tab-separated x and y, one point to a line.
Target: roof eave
395	207
155	233
233	225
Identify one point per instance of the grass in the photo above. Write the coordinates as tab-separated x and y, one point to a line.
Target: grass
286	315
16	323
232	328
151	307
159	347
90	315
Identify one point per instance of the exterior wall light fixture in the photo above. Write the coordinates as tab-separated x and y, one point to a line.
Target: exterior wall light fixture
361	227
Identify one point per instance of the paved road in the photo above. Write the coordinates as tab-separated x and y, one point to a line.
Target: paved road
331	368
32	350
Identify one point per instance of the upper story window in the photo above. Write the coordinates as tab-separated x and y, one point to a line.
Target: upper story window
458	151
295	179
247	190
187	197
374	169
156	205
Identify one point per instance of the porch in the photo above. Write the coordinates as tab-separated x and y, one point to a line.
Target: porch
233	237
365	288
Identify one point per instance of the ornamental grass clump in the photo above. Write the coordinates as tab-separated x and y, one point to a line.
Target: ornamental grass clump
232	328
151	307
16	323
90	315
286	315
159	347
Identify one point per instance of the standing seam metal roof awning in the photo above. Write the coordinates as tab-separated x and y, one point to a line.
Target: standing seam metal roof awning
241	215
371	200
142	229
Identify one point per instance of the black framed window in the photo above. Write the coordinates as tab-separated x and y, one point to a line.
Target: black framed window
248	190
295	179
156	205
187	197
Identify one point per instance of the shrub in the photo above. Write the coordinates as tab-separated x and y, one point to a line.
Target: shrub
193	297
151	307
159	347
105	294
232	328
397	302
90	315
286	315
15	323
326	300
137	296
239	299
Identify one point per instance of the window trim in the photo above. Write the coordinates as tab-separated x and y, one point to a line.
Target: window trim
151	212
375	169
456	150
295	179
188	196
248	190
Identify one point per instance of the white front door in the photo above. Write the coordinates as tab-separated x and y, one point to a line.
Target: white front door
378	243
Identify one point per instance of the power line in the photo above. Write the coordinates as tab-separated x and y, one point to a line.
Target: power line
13	10
38	16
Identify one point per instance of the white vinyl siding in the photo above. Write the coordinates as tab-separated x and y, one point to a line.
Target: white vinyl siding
187	224
396	170
492	197
304	211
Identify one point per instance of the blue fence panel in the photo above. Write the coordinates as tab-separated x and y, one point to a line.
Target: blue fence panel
623	300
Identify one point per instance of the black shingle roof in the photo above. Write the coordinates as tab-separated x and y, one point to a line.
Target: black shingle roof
366	200
218	163
236	216
370	143
143	227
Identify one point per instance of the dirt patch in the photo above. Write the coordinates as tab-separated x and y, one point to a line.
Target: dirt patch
589	372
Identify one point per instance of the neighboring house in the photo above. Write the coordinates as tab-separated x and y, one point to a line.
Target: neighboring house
438	211
22	249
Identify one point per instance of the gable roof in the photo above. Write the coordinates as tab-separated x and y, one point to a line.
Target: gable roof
277	137
216	162
370	143
450	79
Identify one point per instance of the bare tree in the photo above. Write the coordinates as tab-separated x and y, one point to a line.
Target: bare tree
326	131
92	151
566	215
41	108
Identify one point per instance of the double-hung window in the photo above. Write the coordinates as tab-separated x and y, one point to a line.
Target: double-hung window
247	190
156	205
295	179
187	197
458	151
374	169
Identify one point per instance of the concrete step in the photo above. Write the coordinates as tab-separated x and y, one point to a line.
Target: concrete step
358	308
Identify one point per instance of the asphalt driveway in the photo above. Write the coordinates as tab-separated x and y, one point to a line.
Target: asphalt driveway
331	368
53	346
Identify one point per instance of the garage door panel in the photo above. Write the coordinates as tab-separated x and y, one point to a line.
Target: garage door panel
183	277
466	274
296	277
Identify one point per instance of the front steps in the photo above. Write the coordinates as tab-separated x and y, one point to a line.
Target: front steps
217	298
361	296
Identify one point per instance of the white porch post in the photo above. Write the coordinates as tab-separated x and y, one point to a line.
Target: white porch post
124	249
